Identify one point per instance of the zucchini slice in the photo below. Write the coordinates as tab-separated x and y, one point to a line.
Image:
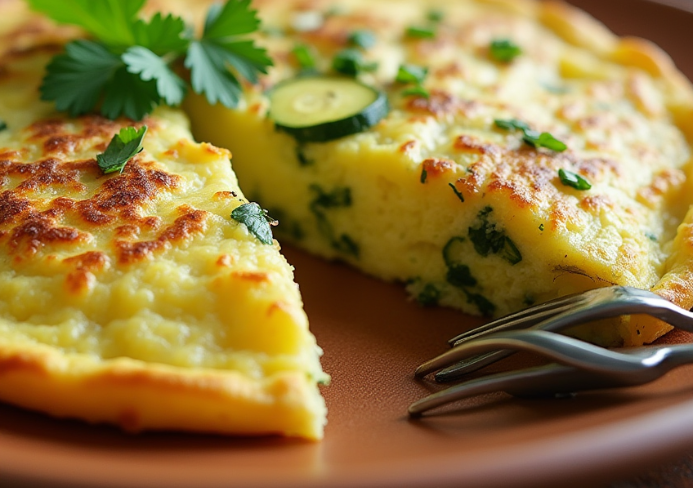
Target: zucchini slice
323	108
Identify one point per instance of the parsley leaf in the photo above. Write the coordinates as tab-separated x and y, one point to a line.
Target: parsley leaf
411	73
256	219
544	139
574	180
124	145
362	38
76	79
350	62
109	21
504	50
127	70
149	66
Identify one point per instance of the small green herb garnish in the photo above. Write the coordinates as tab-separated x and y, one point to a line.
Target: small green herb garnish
457	192
411	73
574	180
543	139
420	32
130	66
511	124
435	15
504	50
541	227
3	125
416	91
459	275
428	296
350	62
488	239
304	57
532	137
424	175
123	147
256	219
325	200
362	38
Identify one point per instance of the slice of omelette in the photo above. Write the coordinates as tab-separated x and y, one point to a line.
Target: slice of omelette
448	193
134	298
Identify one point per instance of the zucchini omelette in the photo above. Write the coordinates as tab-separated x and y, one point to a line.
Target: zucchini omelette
527	152
489	154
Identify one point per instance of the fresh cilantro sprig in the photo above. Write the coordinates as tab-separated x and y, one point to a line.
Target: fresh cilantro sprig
256	219
411	73
123	147
531	137
129	66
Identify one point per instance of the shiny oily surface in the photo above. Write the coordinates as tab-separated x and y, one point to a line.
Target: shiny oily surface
373	339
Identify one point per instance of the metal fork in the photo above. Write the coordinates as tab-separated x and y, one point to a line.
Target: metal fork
582	366
555	315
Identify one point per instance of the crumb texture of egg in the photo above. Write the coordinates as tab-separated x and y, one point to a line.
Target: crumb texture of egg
464	212
134	298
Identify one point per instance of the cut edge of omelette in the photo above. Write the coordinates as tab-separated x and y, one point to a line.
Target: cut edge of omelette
135	299
578	30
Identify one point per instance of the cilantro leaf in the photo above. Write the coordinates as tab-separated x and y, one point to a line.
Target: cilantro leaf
234	18
123	147
209	58
416	91
76	79
110	21
149	66
256	219
419	32
504	50
162	35
574	180
127	94
221	86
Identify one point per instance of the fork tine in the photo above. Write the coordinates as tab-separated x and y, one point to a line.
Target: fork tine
523	318
467	366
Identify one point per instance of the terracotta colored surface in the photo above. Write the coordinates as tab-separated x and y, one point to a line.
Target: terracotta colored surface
373	338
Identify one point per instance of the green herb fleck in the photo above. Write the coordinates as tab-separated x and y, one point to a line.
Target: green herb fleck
454	251
304	57
420	32
488	239
435	15
124	145
485	307
428	296
544	139
457	192
416	91
303	160
541	227
651	236
424	175
411	73
3	125
460	276
256	219
573	180
362	38
504	50
127	70
350	62
338	198
511	124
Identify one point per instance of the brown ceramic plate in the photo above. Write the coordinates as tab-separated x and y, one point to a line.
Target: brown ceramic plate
373	338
